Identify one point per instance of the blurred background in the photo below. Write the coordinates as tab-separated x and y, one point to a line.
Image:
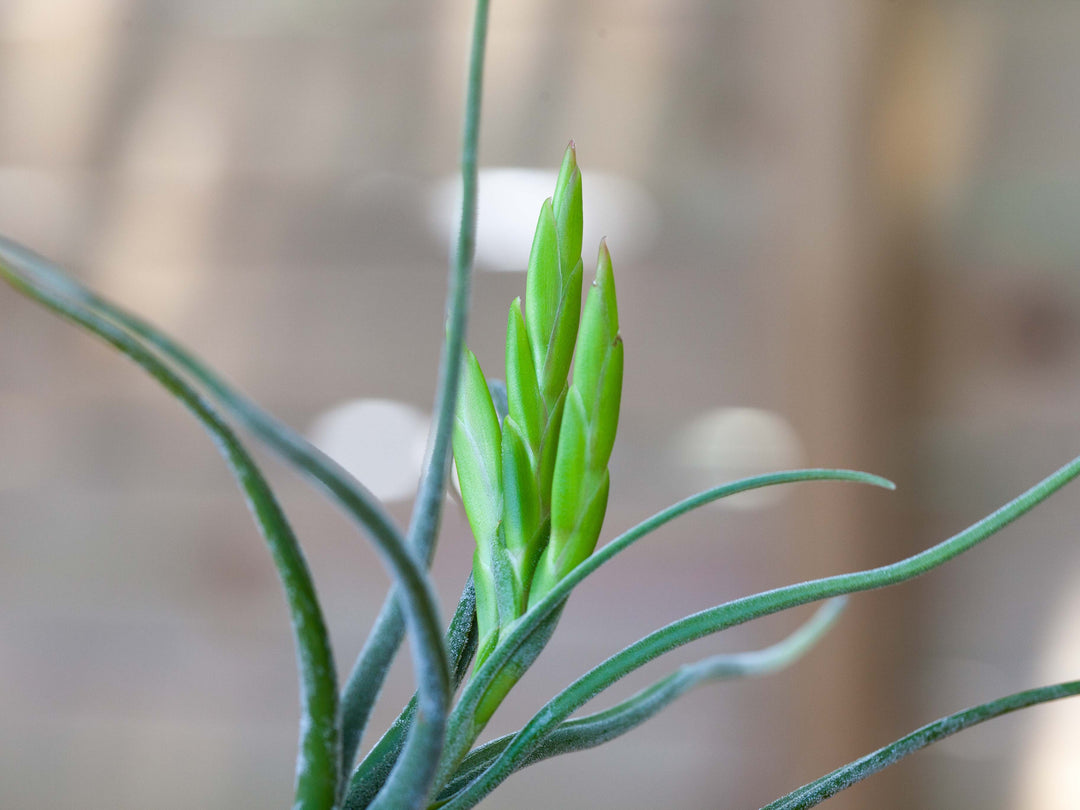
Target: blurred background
845	234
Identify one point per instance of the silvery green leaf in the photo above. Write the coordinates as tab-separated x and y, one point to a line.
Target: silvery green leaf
603	726
489	682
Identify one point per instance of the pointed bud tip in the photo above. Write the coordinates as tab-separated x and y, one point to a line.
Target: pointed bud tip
603	259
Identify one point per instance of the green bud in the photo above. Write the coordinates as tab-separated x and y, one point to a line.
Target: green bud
549	446
564	331
521	507
535	484
522	393
605	417
568	212
477	440
570	467
487	608
580	480
566	171
543	285
599	330
554	565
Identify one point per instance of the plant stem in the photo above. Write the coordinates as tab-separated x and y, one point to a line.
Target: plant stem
414	773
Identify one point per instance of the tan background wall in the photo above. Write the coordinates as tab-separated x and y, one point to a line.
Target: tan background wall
856	218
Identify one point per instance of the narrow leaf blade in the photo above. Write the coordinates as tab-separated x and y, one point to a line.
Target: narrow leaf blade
819	790
601	727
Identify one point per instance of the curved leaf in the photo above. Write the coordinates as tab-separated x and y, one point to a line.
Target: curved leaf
595	729
41	279
371	666
737	612
819	790
318	762
465	723
371	773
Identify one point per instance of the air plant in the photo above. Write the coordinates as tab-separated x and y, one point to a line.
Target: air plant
532	459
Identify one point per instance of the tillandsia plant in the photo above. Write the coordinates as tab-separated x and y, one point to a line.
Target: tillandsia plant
534	481
532	461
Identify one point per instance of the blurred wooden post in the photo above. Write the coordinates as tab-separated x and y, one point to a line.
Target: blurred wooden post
856	100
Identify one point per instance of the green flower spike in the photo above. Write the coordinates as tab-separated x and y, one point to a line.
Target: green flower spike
580	489
553	285
506	473
539	349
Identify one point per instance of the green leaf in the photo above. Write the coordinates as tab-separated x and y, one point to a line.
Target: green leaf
523	396
360	505
371	773
464	727
411	780
318	762
728	615
819	790
595	729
